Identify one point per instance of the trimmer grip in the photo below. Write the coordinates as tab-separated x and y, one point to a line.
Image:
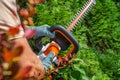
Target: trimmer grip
64	39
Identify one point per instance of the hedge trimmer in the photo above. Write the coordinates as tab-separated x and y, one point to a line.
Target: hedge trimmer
64	40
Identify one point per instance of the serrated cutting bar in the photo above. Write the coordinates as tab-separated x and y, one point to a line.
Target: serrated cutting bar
81	13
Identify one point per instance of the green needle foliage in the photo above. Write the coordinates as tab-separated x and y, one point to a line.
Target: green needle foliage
98	35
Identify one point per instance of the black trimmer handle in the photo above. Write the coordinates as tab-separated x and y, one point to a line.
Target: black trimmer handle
64	39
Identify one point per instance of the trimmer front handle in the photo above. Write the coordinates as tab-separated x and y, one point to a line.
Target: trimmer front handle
64	39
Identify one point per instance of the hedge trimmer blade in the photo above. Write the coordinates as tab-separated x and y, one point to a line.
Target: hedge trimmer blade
81	13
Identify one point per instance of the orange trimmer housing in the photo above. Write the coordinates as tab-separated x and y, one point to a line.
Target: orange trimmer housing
53	47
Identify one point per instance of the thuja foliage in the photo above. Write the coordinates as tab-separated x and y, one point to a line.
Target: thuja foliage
98	36
103	25
103	34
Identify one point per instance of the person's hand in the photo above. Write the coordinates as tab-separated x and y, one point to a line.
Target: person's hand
47	61
49	57
41	31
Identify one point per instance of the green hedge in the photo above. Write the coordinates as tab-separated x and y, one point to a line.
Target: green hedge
98	35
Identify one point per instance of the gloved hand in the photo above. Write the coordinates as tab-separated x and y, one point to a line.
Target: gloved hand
42	31
47	61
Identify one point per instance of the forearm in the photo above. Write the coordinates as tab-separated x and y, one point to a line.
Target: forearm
28	58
